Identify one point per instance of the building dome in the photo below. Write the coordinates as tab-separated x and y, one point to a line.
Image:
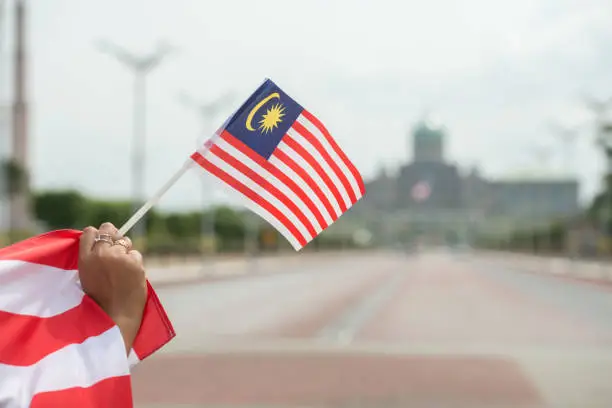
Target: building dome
428	140
429	127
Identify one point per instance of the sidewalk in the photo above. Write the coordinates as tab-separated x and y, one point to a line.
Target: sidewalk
186	272
572	268
179	272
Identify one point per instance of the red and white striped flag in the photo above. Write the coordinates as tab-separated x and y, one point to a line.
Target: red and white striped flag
283	164
58	348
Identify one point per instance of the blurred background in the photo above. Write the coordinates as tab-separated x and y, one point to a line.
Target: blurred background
480	124
484	133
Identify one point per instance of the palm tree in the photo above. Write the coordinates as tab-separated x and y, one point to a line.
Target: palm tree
15	182
14	177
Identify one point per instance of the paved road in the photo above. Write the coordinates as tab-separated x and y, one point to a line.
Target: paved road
385	330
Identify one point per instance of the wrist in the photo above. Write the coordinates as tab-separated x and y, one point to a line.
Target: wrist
128	326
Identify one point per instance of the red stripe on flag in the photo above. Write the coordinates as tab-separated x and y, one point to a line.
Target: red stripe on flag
156	329
57	249
26	339
289	162
336	148
265	184
323	152
299	149
250	194
115	392
276	172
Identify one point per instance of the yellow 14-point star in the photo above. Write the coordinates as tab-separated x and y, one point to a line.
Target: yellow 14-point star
272	118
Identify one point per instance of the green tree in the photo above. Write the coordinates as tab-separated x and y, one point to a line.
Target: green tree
183	225
15	177
156	223
15	180
229	224
558	236
102	211
61	209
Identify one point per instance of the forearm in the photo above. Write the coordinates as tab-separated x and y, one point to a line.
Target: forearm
129	327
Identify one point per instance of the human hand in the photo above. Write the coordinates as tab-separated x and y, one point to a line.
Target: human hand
113	275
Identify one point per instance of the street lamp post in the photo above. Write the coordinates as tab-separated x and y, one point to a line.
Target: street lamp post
567	137
206	111
542	155
4	221
141	65
603	138
605	141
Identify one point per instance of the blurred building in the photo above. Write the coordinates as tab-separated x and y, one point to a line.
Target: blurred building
432	193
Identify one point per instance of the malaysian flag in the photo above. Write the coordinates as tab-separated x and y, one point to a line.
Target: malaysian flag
283	164
420	191
58	348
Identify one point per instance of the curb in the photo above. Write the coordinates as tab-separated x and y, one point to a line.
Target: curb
575	270
239	268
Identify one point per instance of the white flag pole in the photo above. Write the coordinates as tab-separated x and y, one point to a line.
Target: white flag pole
155	199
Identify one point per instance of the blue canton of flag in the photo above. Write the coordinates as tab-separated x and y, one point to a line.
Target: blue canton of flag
264	119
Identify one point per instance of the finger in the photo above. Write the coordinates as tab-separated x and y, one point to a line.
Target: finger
127	242
87	240
122	246
108	228
136	256
137	259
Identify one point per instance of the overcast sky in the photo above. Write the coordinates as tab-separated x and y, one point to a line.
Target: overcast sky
495	73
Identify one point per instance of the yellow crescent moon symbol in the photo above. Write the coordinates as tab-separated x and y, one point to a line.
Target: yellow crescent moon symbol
256	108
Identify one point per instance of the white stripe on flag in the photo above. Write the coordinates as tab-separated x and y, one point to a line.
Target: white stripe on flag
247	181
341	164
133	359
303	163
238	175
301	140
253	206
305	186
26	289
272	179
76	365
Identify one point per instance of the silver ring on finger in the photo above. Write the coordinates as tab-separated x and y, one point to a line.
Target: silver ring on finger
123	243
103	238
